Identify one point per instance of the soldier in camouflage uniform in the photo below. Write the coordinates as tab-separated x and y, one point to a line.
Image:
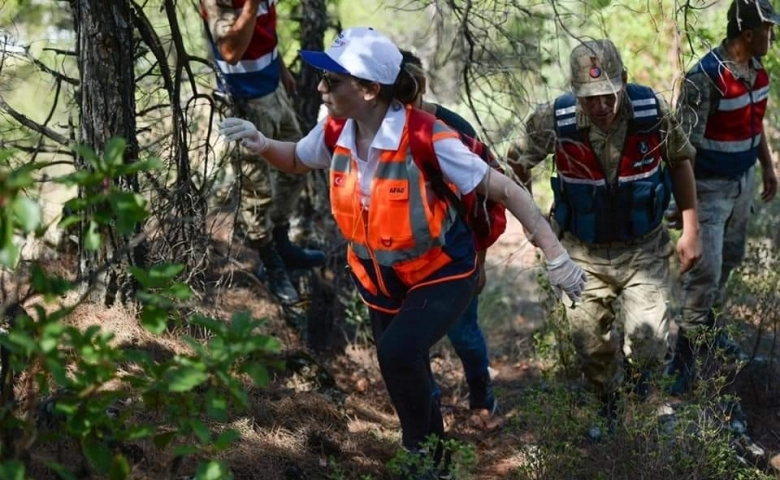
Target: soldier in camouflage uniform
618	153
243	39
722	107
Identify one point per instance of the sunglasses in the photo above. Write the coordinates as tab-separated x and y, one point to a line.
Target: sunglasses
330	81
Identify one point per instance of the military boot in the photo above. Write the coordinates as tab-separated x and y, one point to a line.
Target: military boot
610	413
278	282
637	380
724	344
293	256
683	366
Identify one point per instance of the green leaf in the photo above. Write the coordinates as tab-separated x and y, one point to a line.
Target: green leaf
58	370
180	291
87	154
210	324
216	406
12	470
158	276
226	438
98	454
48	345
6	154
185	379
129	210
140	166
92	237
22	341
120	469
140	275
139	357
61	470
9	255
165	272
185	450
265	343
154	319
162	440
27	213
82	178
259	374
213	470
52	285
114	152
66	222
21	177
137	432
201	431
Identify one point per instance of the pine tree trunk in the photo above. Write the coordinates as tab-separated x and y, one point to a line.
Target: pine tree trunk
313	26
106	99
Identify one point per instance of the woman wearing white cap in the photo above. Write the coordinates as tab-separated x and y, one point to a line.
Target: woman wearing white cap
411	255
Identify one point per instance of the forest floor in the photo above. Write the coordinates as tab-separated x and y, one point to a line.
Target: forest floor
328	416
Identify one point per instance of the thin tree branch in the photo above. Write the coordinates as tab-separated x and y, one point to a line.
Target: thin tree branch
32	124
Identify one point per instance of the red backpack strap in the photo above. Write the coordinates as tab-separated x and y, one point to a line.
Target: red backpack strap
420	130
332	129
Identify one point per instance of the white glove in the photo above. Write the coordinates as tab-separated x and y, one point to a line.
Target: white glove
237	129
567	276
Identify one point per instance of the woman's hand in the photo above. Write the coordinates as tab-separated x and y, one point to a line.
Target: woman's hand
234	129
567	276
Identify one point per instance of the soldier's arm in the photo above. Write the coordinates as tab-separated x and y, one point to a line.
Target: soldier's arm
679	154
768	175
693	106
231	32
533	144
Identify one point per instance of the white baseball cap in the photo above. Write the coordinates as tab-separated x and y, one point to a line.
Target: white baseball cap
361	52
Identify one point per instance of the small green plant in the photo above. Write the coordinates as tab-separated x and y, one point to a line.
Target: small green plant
84	388
356	315
552	342
337	472
457	459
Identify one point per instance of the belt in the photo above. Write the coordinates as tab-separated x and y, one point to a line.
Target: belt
715	176
621	244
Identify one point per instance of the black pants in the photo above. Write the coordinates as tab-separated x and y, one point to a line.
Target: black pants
403	342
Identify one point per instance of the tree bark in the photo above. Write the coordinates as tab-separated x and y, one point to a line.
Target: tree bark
106	100
313	25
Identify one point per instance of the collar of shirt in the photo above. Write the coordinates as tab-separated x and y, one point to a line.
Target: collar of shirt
626	112
736	68
388	137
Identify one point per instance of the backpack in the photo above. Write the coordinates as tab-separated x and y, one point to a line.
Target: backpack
486	218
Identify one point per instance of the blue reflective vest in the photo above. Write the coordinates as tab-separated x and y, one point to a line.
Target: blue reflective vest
586	204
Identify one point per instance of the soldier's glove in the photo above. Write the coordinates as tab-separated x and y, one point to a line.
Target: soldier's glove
234	129
567	276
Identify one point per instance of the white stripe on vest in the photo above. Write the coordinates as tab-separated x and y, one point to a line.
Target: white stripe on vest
730	146
249	66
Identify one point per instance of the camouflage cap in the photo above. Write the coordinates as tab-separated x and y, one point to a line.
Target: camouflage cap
750	14
596	69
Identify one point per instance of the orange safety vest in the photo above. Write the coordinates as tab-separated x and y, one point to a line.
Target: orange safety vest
406	237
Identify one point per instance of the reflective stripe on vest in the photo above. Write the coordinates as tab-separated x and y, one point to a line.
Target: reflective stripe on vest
248	66
729	146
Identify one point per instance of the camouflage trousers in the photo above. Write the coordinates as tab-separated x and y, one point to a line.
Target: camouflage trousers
624	308
724	212
268	196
